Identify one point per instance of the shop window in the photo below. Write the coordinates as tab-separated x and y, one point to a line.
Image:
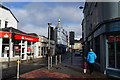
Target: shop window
38	51
118	51
111	52
114	50
23	50
118	54
111	39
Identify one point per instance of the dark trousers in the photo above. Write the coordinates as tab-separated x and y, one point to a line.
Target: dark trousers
91	67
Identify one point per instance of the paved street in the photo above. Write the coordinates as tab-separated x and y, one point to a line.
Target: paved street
24	67
38	70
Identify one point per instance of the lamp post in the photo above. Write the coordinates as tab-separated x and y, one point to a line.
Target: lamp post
49	45
9	47
81	7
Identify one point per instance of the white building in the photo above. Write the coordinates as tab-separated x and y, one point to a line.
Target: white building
61	38
7	19
15	43
43	46
24	43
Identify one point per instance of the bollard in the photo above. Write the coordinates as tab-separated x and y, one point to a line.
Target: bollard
56	60
48	62
51	61
18	69
59	58
20	59
71	59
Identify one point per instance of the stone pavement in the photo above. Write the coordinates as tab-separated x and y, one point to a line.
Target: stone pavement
4	65
61	72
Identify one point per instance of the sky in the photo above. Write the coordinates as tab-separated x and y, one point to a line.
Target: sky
34	17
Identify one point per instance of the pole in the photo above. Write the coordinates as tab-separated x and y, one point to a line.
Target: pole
31	51
56	60
48	62
71	55
21	51
51	61
18	69
49	47
9	48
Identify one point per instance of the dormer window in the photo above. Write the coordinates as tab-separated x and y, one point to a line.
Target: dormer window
6	23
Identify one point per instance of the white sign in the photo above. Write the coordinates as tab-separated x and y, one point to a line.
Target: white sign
7	48
6	36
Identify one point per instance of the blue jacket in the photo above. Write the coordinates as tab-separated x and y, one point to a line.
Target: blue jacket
91	57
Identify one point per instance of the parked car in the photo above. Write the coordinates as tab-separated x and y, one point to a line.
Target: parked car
77	53
81	52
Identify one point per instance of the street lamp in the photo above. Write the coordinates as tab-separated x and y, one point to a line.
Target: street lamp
49	34
81	7
49	45
10	31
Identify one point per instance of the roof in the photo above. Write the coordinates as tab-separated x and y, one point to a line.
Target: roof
18	31
42	36
76	41
8	10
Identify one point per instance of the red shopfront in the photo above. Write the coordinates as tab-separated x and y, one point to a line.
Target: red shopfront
18	46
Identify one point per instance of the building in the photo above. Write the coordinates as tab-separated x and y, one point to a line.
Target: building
7	19
102	33
43	46
61	38
77	45
15	43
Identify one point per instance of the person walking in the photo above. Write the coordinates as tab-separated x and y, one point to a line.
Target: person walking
85	67
91	60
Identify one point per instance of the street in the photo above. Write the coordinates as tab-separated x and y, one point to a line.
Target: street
38	69
25	67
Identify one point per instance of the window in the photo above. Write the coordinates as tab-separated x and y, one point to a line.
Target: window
111	48
118	51
6	24
114	51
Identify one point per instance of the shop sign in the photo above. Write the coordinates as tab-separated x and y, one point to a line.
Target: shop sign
4	34
25	37
6	48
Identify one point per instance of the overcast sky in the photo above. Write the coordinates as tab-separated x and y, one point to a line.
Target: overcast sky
34	16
